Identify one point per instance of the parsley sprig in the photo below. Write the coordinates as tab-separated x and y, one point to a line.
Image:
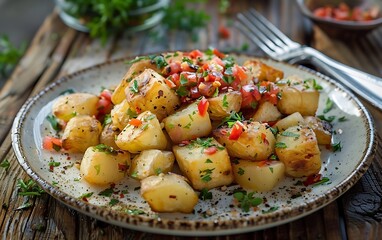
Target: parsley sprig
247	200
9	55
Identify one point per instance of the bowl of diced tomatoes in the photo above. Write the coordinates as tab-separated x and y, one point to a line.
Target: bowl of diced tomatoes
339	18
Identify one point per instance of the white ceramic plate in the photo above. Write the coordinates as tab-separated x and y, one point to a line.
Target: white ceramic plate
218	216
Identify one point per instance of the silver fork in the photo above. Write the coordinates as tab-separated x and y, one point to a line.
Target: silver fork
279	47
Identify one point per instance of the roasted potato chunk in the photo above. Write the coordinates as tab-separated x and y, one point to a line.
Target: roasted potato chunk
294	119
121	114
297	148
258	176
256	142
205	163
321	128
149	92
224	104
263	72
80	133
169	193
298	96
267	112
187	124
142	133
68	106
151	162
135	69
104	165
108	136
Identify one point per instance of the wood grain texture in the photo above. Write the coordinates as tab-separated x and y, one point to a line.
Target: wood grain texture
58	50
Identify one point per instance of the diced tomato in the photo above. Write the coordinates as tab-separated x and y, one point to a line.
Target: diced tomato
203	106
324	12
195	54
224	32
194	92
207	89
264	138
210	150
122	167
250	95
170	83
174	67
340	14
135	122
312	179
51	143
106	93
191	77
175	79
104	106
218	61
239	73
236	131
263	163
218	53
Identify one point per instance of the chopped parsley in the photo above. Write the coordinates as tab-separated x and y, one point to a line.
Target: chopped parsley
205	194
28	188
107	120
159	60
106	149
324	180
204	143
137	59
337	147
247	200
135	88
232	119
205	175
208	160
97	168
5	164
240	171
280	145
182	91
183	80
134	211
342	119
328	105
85	196
290	134
106	192
131	113
328	119
53	122
113	202
158	171
225	102
271	209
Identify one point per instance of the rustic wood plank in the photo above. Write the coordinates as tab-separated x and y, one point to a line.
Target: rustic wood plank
332	222
32	64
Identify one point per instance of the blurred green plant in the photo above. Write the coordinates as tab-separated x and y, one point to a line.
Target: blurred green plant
9	55
105	18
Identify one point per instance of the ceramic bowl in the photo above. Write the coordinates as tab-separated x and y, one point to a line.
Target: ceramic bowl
337	28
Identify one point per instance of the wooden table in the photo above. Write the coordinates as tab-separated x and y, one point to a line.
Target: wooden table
58	50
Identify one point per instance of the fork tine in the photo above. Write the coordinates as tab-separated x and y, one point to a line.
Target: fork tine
271	29
253	32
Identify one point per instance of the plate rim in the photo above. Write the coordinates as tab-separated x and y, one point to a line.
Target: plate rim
204	227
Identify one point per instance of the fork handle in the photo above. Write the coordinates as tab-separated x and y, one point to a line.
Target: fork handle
366	85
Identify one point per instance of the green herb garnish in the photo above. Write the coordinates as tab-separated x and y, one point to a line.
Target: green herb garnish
9	55
5	164
280	145
135	87
247	200
328	105
53	122
205	194
337	147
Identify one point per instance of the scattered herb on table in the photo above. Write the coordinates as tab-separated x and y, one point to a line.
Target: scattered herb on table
205	194
29	188
5	164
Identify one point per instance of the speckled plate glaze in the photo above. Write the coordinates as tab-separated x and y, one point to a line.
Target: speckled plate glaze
218	216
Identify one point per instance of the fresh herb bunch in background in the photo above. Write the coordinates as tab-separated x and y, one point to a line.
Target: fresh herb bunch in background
105	18
9	55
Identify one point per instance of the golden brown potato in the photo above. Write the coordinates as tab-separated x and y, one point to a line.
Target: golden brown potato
121	114
258	176
294	119
103	165
151	162
298	96
143	133
224	104
267	112
108	136
135	69
263	72
297	148
256	143
321	128
68	106
204	167
80	133
187	124
149	92
169	193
